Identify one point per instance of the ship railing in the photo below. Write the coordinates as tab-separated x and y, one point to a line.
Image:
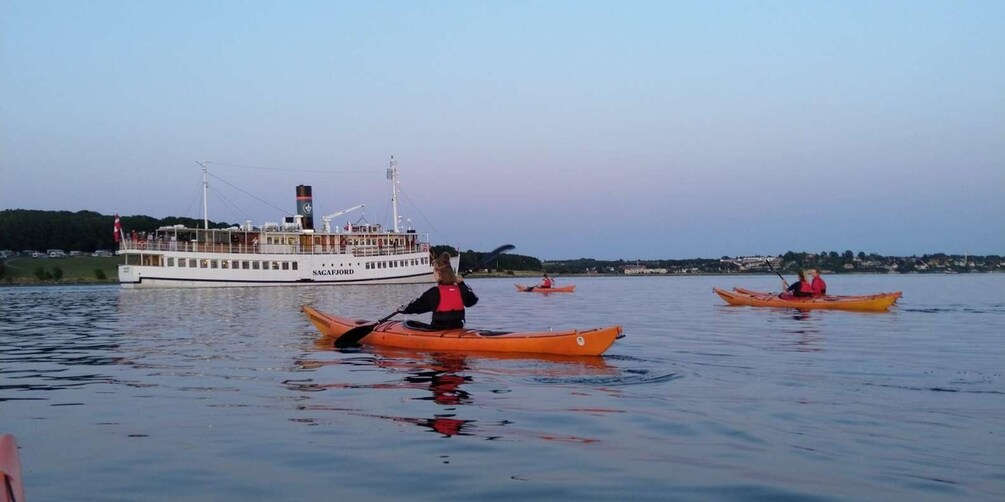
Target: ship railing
366	251
257	248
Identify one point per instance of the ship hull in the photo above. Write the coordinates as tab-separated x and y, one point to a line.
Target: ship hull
256	270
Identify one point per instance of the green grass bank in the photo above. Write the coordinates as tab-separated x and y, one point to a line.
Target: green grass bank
73	270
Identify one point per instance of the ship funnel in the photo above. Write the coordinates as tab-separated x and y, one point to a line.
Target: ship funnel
305	206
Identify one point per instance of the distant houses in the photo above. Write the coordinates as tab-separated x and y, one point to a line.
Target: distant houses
639	269
752	263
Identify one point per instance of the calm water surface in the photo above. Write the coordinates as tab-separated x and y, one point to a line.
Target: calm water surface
224	395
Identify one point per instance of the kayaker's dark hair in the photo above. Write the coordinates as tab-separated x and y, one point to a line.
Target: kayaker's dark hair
446	271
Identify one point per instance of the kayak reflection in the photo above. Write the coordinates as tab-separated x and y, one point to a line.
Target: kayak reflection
447	377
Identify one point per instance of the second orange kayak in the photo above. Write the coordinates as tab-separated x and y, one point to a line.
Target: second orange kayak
740	296
537	289
407	335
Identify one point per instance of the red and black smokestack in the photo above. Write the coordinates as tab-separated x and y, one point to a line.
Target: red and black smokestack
305	205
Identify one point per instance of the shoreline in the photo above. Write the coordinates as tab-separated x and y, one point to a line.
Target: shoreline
492	275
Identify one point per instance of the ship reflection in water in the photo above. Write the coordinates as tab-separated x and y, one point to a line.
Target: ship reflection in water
448	377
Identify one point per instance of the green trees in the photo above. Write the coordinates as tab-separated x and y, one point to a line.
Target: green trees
79	231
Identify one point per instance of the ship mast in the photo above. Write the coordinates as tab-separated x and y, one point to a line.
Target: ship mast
392	174
205	189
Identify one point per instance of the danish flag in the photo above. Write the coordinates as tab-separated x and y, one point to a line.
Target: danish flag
118	228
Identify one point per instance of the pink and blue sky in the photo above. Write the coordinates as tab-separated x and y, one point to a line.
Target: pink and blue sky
570	129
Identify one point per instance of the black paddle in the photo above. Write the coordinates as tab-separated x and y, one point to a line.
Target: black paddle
786	283
352	337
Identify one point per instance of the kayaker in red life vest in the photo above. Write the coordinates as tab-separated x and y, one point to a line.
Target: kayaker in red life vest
446	300
546	282
800	288
819	287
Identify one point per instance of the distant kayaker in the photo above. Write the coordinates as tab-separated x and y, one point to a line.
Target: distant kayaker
546	282
800	288
819	287
446	300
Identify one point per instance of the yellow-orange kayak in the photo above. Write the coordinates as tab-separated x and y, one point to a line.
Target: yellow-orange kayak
407	335
10	470
740	296
537	289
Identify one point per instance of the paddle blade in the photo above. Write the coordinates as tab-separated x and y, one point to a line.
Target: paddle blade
486	259
352	337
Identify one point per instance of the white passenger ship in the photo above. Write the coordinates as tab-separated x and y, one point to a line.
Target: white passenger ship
279	254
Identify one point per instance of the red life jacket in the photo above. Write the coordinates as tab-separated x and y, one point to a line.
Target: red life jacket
819	287
805	287
546	283
450	298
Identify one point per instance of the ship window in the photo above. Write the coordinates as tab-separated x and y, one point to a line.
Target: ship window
204	264
225	264
294	264
191	262
214	264
255	265
181	262
170	262
286	265
275	265
245	265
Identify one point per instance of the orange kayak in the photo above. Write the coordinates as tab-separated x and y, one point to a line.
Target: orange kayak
537	289
10	469
740	296
408	335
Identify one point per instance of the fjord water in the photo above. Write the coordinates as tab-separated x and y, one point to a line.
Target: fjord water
224	395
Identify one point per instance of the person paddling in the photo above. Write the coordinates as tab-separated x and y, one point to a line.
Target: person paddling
546	282
819	287
800	288
446	300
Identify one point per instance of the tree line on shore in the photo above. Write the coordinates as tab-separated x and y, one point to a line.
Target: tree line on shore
88	231
790	262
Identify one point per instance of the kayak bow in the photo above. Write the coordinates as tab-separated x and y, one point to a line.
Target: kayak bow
10	470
